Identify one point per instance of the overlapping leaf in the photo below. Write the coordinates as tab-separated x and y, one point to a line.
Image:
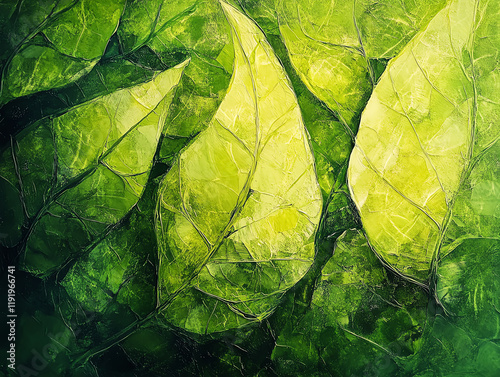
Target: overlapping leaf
238	211
238	215
121	267
82	171
361	319
424	173
107	76
335	46
194	28
464	339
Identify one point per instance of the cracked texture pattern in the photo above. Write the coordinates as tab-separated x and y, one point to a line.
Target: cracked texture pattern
197	29
52	43
83	171
184	222
332	45
360	317
236	229
464	339
423	170
120	267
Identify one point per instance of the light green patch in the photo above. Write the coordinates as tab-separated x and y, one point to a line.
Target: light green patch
423	171
330	44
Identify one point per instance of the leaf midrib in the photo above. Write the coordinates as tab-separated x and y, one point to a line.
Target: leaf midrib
242	197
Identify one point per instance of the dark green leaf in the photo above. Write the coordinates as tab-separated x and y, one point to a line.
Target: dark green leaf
464	339
361	319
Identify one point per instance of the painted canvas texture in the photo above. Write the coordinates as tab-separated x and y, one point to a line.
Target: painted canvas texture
250	187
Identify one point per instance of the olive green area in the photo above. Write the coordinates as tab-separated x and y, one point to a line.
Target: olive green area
424	172
179	199
120	268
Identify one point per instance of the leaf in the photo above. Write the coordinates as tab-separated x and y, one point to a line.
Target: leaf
81	172
237	212
361	319
195	28
107	76
449	351
121	268
53	43
142	21
424	172
330	141
335	46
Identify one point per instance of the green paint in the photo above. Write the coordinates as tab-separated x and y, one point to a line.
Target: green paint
185	190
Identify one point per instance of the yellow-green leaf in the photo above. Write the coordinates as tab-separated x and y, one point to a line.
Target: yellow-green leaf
424	172
238	211
332	44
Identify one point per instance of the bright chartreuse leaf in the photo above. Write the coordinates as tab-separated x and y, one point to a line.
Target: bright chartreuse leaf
334	45
361	319
424	172
52	43
81	172
331	141
238	211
